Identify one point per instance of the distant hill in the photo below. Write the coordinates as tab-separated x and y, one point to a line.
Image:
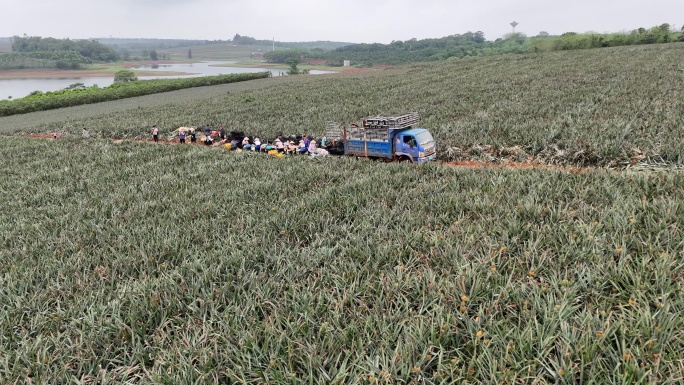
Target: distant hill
145	43
239	47
322	45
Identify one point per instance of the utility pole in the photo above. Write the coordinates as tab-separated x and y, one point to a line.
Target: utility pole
274	43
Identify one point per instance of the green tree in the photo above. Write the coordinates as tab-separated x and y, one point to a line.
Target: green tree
293	67
76	86
153	55
125	76
286	55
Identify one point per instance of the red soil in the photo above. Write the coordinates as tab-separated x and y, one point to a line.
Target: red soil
517	166
353	70
43	136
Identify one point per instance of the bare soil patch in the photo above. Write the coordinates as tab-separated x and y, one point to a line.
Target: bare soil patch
354	70
518	166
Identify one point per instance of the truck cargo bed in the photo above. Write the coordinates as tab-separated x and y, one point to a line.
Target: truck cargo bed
379	149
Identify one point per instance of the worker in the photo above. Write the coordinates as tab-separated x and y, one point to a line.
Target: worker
291	148
257	145
320	152
207	130
193	137
324	139
312	147
208	140
155	133
307	141
181	136
279	145
222	132
245	142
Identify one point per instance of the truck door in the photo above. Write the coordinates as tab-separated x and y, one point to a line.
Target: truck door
409	146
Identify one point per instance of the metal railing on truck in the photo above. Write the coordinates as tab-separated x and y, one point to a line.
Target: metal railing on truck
374	128
395	122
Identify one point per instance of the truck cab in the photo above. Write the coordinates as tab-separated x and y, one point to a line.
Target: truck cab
415	144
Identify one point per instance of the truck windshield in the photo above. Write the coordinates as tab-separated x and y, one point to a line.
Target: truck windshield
425	137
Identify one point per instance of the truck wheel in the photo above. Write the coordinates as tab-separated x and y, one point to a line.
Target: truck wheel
404	159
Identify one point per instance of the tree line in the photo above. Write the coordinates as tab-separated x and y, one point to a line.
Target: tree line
43	59
473	44
89	49
313	45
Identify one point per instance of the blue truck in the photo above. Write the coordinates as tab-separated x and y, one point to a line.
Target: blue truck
384	137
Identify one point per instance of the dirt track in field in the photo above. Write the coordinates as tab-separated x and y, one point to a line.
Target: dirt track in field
520	166
458	164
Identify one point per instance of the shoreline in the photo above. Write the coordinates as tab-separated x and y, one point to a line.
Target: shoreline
277	66
105	70
102	70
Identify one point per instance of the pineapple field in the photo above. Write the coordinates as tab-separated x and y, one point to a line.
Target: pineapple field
141	263
602	107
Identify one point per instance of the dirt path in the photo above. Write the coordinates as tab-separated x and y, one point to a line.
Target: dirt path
522	166
459	164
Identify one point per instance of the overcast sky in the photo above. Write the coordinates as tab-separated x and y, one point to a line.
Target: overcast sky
357	21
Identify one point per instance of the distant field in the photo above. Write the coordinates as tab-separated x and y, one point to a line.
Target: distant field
228	51
596	107
147	264
222	51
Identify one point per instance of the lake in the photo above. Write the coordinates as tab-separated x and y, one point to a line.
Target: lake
18	88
